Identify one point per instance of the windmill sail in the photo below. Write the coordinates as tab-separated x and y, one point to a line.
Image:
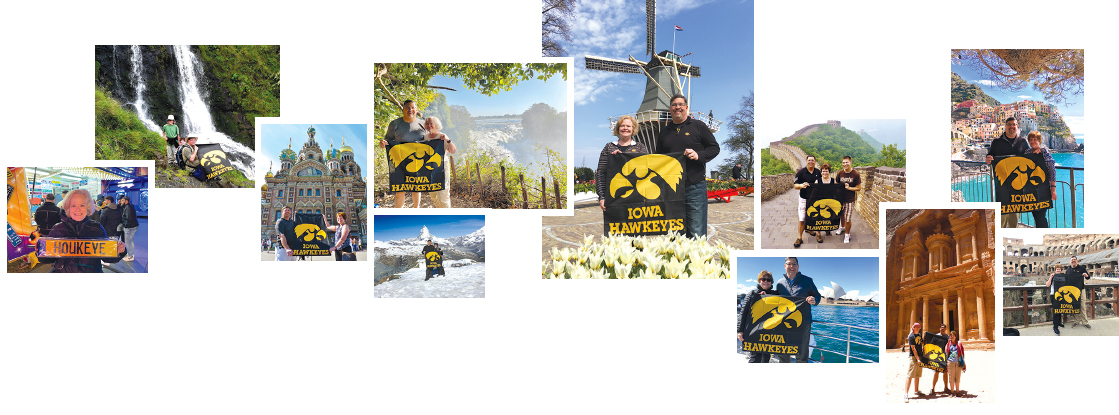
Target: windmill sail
650	26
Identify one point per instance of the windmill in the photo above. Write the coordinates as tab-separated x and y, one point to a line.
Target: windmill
667	76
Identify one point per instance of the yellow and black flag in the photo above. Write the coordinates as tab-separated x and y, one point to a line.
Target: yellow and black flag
213	160
645	194
824	207
1022	183
309	237
433	258
416	167
934	352
1066	296
778	324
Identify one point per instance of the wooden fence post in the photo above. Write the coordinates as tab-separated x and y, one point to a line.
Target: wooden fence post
453	178
503	179
478	170
524	193
555	183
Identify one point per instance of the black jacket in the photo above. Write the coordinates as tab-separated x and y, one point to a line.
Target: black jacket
46	216
111	220
693	134
128	216
751	298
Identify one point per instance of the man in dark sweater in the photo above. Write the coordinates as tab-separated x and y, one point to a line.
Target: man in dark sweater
47	215
736	172
691	137
1076	275
1011	143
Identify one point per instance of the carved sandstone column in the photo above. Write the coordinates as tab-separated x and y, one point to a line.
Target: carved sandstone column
960	313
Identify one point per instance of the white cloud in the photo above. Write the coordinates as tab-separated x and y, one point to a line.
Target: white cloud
743	289
984	82
611	29
1075	124
1025	97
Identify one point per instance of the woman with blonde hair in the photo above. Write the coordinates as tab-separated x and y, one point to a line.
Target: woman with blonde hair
624	130
442	198
76	223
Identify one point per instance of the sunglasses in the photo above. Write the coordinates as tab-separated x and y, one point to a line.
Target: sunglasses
765	280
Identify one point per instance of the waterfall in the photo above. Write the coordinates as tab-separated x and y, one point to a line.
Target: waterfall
197	120
137	80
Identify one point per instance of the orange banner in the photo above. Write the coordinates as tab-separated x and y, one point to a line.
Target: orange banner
77	248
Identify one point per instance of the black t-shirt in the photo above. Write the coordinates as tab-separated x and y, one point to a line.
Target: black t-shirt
803	176
912	343
286	227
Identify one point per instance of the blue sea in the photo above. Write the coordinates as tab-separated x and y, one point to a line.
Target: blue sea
865	317
1058	216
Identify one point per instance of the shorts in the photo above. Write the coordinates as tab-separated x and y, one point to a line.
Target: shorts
847	209
914	369
953	372
803	206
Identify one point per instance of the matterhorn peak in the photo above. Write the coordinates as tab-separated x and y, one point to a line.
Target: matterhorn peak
424	233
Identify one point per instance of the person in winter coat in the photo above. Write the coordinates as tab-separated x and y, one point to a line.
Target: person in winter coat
47	214
77	206
130	225
765	286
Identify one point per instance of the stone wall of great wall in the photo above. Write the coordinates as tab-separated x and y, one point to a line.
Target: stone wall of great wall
880	184
788	153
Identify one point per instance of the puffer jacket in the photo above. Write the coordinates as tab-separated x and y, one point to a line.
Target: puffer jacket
68	228
751	297
111	220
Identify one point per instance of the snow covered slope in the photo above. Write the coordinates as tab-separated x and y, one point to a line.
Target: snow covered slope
466	281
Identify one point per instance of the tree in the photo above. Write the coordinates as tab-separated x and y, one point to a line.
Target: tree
772	165
740	144
891	157
553	26
584	174
1054	72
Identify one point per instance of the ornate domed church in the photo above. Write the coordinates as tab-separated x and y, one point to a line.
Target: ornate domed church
315	181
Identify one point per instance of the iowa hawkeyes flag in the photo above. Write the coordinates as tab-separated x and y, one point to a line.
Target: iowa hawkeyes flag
778	324
214	161
645	194
934	353
416	167
309	236
434	260
1066	297
1022	183
824	207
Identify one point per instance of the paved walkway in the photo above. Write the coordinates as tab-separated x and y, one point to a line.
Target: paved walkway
779	225
1103	327
732	223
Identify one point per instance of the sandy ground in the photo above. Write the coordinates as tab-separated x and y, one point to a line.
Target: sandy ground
978	383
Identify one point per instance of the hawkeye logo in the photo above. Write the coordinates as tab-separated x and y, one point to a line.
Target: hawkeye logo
1022	169
1067	294
934	353
777	311
639	173
309	232
213	157
417	155
824	209
432	256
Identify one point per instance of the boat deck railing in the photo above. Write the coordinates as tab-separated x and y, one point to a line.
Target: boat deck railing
976	183
847	341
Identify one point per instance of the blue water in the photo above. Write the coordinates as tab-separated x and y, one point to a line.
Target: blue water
865	317
1058	216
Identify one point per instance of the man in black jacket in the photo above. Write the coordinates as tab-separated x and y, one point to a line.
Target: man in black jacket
131	225
691	137
765	286
47	215
1076	275
430	270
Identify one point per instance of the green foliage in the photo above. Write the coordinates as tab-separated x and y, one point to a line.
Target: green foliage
773	165
891	157
250	74
829	145
714	185
405	81
120	135
963	91
238	179
584	174
584	188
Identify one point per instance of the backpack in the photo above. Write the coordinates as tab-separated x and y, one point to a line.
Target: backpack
180	158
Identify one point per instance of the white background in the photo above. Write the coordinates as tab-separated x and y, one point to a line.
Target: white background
214	330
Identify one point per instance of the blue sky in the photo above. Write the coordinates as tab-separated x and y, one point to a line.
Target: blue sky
515	101
1072	109
274	139
850	273
393	227
719	34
